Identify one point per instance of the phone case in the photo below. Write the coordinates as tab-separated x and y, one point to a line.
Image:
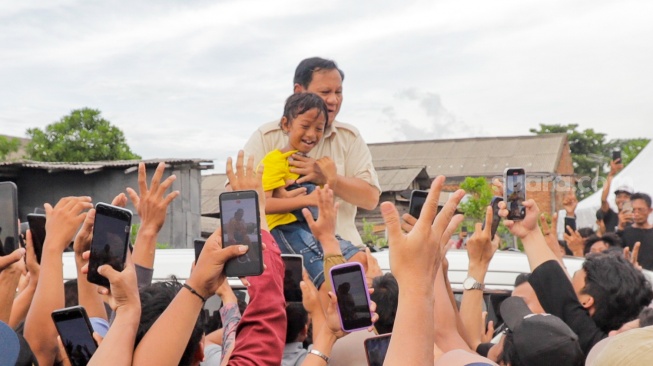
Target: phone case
36	224
11	233
335	291
416	194
73	312
505	195
235	267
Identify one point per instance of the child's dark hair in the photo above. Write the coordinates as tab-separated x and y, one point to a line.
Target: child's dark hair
301	103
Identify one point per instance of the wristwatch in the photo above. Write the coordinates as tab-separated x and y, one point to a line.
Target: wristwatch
470	283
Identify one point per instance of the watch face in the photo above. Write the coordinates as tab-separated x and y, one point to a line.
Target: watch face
468	283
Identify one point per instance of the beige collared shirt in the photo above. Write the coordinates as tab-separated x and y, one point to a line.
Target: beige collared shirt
344	145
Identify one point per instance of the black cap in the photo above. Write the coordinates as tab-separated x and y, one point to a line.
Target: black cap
540	339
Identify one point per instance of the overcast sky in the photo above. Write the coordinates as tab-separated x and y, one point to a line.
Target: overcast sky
195	78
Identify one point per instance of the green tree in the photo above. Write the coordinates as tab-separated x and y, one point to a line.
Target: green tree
479	197
630	148
83	135
7	146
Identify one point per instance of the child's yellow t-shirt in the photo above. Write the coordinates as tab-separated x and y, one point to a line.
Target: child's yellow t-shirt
276	172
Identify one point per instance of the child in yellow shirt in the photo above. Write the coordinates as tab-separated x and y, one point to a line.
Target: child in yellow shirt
304	120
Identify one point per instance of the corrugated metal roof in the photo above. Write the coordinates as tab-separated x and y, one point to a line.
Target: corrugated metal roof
487	156
399	179
95	165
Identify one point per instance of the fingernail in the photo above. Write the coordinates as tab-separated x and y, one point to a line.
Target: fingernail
242	248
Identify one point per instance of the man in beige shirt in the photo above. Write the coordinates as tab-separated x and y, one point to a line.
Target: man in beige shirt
344	150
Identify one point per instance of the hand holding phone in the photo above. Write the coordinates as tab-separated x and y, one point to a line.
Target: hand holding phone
351	291
570	222
110	241
9	233
515	193
241	225
76	334
616	155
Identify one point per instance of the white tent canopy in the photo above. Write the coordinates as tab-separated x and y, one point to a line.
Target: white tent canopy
638	175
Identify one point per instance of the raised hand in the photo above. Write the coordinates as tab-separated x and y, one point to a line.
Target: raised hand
526	226
63	220
575	242
480	247
123	292
324	228
152	202
415	257
246	178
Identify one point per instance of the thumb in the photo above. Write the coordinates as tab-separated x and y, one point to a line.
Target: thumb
13	257
230	252
108	272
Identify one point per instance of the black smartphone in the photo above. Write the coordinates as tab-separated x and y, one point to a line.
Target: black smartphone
417	199
350	287
76	334
198	244
571	222
110	241
616	154
9	234
292	277
496	219
515	193
241	225
376	349
37	228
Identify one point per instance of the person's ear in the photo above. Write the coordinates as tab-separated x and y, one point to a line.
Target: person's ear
587	302
297	88
285	126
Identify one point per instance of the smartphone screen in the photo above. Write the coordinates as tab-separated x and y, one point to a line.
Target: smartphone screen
241	225
199	245
515	180
616	154
37	228
571	222
350	288
76	334
417	199
292	277
376	349
110	240
8	218
496	219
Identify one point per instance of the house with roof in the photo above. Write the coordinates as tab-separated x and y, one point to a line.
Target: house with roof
402	166
40	182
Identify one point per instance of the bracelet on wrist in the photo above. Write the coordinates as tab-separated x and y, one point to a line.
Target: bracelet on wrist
319	354
194	292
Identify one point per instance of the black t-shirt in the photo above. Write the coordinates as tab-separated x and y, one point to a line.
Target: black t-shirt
632	235
611	220
557	297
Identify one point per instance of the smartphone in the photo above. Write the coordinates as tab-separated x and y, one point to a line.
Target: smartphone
616	154
417	199
199	245
292	277
627	207
515	193
376	349
9	234
76	334
571	222
241	225
350	287
37	228
110	241
496	219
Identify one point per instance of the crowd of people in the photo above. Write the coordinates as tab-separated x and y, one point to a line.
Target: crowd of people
311	173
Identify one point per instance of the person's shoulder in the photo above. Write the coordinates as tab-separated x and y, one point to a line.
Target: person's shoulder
270	127
342	127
